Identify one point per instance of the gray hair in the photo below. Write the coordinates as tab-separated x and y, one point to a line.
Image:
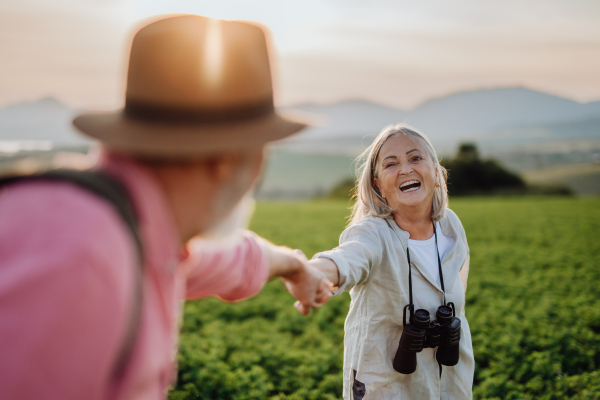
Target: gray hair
369	202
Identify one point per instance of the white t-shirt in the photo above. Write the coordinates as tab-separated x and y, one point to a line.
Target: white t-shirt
425	250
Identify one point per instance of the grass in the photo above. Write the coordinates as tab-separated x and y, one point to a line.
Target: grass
533	304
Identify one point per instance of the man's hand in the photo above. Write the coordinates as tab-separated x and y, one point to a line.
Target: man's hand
307	284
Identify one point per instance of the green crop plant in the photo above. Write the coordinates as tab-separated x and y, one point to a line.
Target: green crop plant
533	305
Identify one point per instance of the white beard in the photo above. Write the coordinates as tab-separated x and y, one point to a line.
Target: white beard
238	219
227	232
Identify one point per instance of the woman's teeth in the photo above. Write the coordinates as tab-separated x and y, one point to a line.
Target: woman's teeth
410	186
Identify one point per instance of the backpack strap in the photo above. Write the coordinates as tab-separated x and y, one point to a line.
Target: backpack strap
111	190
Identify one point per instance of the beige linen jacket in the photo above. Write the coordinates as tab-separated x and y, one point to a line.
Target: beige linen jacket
372	262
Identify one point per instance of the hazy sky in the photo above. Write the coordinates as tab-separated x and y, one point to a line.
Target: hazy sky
399	53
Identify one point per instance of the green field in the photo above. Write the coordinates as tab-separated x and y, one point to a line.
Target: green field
533	304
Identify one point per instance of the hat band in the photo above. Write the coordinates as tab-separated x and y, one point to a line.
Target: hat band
141	110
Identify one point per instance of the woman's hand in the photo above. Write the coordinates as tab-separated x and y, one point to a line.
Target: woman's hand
307	284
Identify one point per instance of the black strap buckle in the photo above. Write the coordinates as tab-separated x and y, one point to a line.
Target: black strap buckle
411	309
451	304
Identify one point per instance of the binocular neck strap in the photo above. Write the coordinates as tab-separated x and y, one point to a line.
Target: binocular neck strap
410	299
439	261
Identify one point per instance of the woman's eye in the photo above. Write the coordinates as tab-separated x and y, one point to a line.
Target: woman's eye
389	165
417	158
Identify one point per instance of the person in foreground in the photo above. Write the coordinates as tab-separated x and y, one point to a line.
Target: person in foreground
187	147
405	260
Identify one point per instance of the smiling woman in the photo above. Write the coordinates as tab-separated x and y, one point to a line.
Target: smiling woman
400	146
404	254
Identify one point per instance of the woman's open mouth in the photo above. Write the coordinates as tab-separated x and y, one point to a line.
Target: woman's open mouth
410	186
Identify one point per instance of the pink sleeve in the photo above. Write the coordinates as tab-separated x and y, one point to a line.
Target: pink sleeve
62	294
231	273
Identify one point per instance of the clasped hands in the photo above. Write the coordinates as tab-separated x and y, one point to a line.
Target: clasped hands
307	284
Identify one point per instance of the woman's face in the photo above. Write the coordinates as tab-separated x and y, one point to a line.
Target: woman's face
406	173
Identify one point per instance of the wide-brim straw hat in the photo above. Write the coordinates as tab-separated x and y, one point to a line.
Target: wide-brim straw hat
195	86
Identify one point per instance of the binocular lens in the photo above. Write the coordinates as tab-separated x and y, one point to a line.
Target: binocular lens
421	318
444	314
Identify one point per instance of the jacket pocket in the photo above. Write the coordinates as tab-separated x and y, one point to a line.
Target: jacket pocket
358	388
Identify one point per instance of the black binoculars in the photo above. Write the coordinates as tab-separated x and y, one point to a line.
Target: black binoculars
421	332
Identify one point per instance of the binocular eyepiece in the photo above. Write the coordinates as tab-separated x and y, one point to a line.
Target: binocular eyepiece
421	332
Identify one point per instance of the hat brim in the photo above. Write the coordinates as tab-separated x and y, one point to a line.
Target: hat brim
123	133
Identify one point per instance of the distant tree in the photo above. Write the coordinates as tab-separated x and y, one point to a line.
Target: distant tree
343	190
468	174
467	152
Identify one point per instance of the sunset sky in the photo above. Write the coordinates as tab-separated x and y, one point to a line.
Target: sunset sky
398	53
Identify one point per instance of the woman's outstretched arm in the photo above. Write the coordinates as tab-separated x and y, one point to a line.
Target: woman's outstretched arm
350	263
329	268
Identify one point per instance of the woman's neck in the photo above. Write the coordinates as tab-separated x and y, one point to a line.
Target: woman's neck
416	222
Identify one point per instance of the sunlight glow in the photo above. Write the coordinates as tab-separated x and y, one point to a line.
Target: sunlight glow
213	52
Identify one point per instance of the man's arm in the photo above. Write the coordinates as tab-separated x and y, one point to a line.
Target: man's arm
240	270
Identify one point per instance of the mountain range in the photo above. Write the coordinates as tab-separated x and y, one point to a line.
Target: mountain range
43	120
467	116
347	127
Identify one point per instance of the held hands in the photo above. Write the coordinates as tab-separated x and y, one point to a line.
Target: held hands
307	284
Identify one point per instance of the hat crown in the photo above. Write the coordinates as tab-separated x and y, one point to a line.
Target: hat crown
195	86
198	63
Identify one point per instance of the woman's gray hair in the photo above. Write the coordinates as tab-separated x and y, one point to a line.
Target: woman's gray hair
369	202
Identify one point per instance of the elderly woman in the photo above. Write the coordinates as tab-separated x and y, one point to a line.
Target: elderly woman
400	271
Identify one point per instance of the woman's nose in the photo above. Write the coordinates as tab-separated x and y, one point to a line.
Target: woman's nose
405	169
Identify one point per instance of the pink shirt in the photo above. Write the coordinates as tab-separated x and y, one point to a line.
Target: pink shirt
66	284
